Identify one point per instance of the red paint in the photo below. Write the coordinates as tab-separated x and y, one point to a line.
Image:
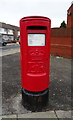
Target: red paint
35	60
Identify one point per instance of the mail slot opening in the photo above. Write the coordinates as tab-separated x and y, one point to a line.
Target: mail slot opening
36	39
37	27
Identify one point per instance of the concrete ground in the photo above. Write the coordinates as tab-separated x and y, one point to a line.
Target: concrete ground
51	115
59	104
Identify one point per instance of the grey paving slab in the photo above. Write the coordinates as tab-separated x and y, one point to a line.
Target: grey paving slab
8	117
9	52
0	109
37	119
48	114
63	114
72	112
64	119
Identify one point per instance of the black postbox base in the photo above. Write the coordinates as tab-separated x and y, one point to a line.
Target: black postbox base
35	98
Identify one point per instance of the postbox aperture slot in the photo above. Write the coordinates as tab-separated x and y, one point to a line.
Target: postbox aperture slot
36	39
37	27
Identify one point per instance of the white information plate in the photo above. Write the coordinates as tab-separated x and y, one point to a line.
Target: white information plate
36	39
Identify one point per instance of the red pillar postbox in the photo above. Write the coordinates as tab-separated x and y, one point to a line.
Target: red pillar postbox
35	57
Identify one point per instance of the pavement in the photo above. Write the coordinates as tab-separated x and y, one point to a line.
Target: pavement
54	115
9	49
59	104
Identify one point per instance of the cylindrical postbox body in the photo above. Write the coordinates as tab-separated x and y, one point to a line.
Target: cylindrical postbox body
35	55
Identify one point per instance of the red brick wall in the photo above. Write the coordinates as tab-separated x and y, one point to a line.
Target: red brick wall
61	42
62	38
70	17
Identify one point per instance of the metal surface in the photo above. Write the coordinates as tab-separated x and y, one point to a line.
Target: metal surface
35	59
